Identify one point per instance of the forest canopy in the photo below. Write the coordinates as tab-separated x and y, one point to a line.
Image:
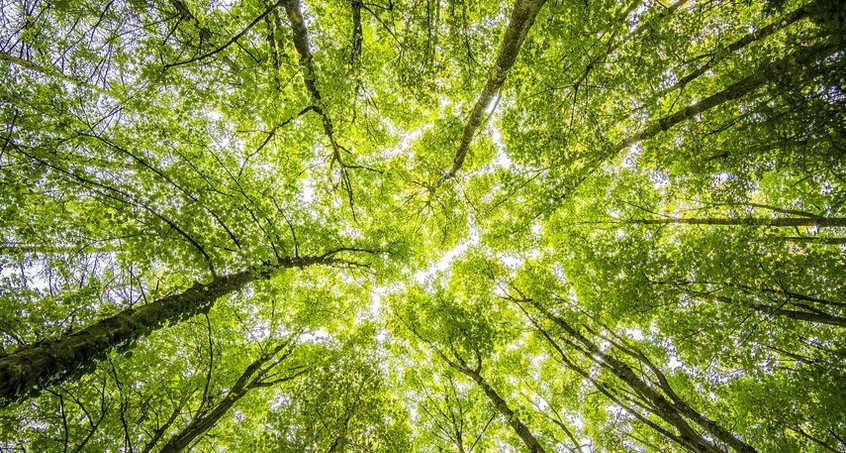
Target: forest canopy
422	226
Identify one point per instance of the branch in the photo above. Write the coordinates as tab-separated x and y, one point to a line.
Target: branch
228	43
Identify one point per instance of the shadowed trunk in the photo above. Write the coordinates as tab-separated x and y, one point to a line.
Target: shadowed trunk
357	36
741	43
250	379
502	407
794	64
54	360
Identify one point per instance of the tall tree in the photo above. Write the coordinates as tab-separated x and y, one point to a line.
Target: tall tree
570	226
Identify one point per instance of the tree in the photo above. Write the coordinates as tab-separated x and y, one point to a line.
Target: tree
426	226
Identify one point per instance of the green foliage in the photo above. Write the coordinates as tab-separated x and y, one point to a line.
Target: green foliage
644	248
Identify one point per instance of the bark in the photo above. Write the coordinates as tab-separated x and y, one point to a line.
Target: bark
756	35
812	239
157	435
522	17
357	36
516	424
794	64
248	380
54	360
670	407
475	374
695	444
802	63
293	9
809	316
821	318
781	292
750	221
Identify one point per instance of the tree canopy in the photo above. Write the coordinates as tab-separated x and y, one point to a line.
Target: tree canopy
430	226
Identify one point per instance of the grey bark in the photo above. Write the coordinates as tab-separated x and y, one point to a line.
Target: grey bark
522	17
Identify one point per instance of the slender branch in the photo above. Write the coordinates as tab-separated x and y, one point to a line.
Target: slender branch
227	43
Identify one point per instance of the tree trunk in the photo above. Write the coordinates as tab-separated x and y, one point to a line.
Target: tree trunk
756	35
820	318
293	9
522	17
794	63
54	360
516	424
670	408
357	35
750	221
201	424
813	315
501	406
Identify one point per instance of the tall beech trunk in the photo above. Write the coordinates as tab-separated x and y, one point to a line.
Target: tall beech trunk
687	437
786	308
54	360
816	316
522	17
750	221
357	35
293	9
805	62
811	239
664	403
299	31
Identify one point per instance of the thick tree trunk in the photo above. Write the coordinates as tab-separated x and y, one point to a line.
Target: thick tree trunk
522	17
501	406
300	34
54	360
293	9
357	35
756	35
810	314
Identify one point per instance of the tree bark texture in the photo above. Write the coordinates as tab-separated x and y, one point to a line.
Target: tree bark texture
522	17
